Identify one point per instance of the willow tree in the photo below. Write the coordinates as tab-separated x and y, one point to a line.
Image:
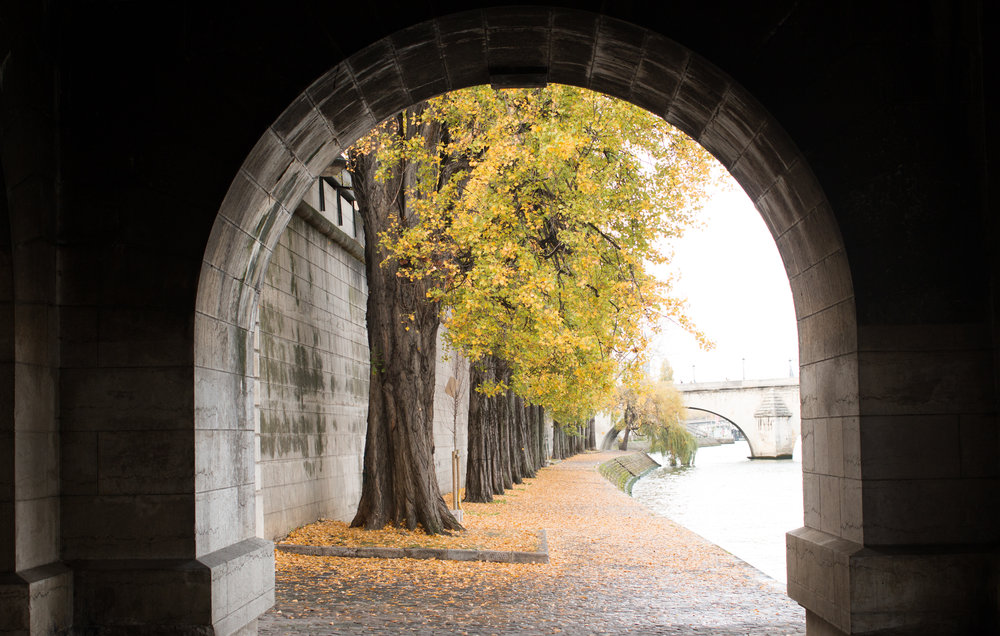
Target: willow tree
656	411
541	248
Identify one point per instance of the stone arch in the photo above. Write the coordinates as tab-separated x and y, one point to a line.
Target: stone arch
735	425
526	47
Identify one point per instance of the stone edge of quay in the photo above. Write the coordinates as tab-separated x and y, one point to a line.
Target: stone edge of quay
443	554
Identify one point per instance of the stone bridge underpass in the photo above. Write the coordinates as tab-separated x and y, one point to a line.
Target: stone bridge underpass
767	412
152	166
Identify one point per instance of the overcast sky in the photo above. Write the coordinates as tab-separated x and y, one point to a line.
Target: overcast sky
737	293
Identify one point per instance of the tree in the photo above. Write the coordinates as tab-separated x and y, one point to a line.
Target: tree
542	255
399	484
656	411
668	435
532	216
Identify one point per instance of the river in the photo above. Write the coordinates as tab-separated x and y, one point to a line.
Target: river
744	506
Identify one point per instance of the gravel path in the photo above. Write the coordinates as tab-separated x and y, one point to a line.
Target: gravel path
615	568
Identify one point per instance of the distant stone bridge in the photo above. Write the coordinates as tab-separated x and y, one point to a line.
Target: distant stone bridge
766	411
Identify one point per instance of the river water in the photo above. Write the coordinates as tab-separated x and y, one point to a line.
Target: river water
744	506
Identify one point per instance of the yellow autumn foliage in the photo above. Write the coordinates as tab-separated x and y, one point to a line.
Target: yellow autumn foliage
540	247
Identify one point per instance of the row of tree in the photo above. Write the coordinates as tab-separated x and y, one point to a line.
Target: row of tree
526	221
506	434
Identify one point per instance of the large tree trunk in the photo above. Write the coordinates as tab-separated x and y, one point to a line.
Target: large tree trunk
558	441
531	438
502	435
399	481
479	477
543	447
488	468
592	434
514	437
629	423
503	455
495	446
623	445
530	443
521	446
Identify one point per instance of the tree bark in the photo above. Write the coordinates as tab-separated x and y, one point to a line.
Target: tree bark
543	447
399	483
623	445
555	440
478	471
558	441
504	403
530	443
492	435
495	448
592	434
629	425
523	450
531	438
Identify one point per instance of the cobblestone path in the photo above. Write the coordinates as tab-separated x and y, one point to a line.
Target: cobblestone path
615	568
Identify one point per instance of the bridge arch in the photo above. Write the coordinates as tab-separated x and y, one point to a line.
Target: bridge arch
768	412
735	425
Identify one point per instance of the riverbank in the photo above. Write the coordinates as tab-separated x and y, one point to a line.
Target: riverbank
745	506
625	470
614	567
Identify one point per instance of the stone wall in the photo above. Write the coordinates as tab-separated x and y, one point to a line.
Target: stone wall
450	424
625	470
312	389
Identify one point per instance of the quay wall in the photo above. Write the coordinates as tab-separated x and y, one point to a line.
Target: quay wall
312	369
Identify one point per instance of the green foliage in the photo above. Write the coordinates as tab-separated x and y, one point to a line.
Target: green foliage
540	215
673	440
656	412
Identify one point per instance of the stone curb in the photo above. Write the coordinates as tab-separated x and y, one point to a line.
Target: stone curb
623	472
494	556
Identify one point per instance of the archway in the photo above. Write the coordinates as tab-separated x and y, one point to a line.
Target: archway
731	422
544	45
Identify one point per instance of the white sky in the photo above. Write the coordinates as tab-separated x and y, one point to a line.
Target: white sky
737	293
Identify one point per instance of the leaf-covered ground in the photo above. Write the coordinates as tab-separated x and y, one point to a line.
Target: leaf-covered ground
615	568
486	528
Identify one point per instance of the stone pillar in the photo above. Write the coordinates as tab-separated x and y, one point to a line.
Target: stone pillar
157	505
775	432
902	498
35	586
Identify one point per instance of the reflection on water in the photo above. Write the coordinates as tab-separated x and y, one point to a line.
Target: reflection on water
745	506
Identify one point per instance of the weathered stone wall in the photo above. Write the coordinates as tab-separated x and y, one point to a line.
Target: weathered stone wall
624	471
313	380
450	424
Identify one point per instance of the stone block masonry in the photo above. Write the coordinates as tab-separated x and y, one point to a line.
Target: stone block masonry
312	390
127	309
624	471
541	555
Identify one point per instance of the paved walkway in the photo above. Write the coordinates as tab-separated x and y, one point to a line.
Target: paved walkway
615	568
